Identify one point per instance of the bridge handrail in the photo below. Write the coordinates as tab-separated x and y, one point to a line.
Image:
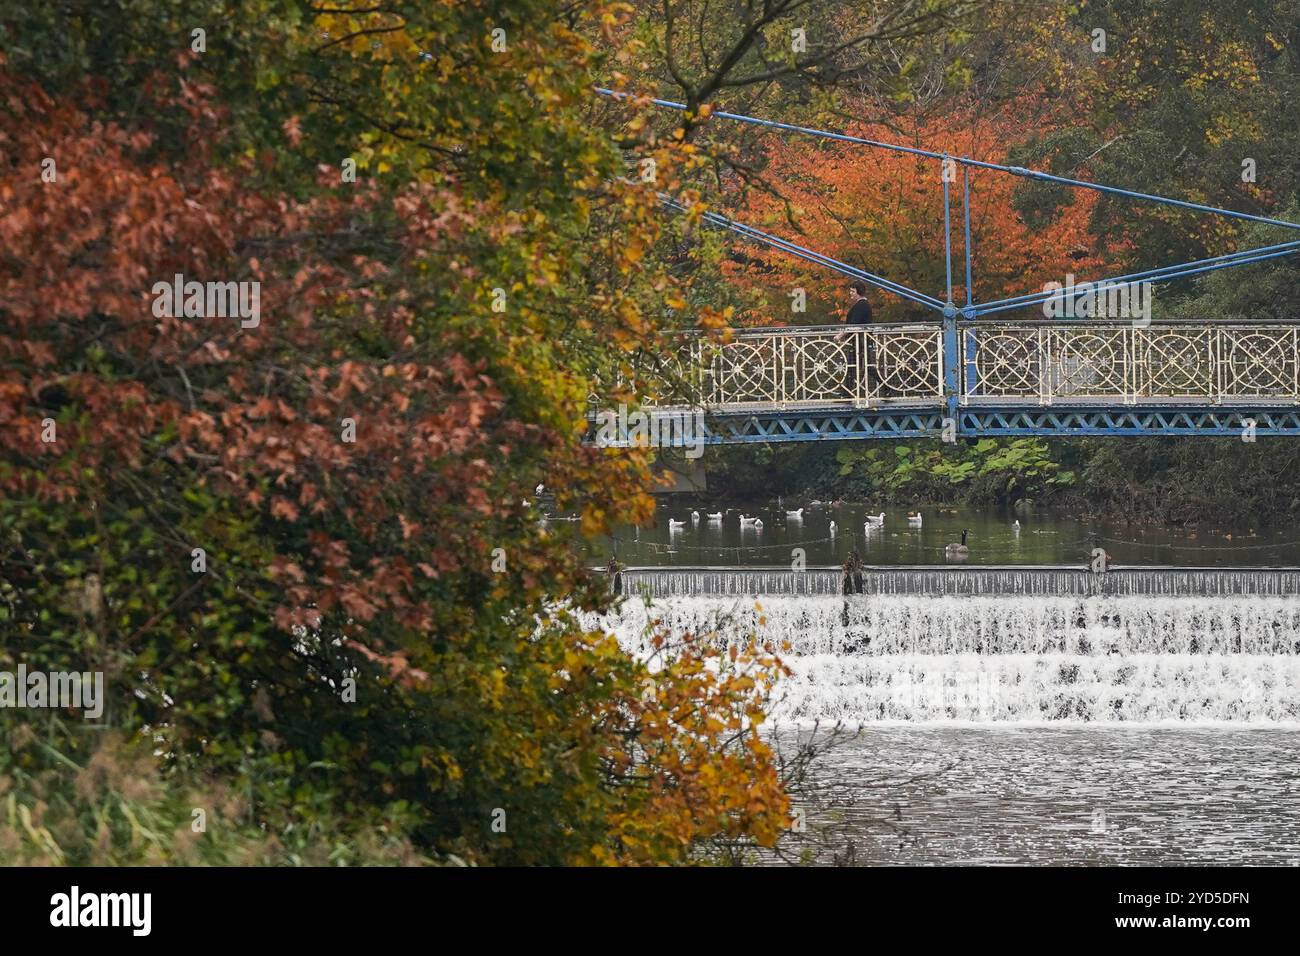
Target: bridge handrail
963	362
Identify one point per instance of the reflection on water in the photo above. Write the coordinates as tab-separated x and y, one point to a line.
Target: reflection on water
1043	795
1041	538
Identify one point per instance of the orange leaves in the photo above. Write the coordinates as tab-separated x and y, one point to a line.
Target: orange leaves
883	211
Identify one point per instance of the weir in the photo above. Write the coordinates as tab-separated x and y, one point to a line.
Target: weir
998	644
1018	580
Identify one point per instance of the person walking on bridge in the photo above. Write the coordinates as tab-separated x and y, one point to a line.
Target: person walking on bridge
859	313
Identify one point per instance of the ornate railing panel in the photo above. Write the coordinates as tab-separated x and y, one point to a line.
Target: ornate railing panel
1030	363
1047	362
811	367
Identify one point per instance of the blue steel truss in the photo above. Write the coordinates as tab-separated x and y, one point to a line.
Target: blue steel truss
856	424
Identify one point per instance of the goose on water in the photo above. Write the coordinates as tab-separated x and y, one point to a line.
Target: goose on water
716	516
914	519
955	550
794	514
876	519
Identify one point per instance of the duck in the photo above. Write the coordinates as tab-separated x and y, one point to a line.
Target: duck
794	514
955	550
1015	525
695	517
914	519
832	527
758	524
876	519
674	524
716	516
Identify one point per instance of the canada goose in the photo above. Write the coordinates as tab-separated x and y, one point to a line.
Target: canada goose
876	519
914	519
716	516
958	550
794	514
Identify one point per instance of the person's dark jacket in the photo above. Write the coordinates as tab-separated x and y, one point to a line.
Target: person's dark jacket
859	313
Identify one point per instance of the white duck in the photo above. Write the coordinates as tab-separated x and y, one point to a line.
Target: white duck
877	520
695	517
675	525
914	519
832	528
794	514
716	516
758	524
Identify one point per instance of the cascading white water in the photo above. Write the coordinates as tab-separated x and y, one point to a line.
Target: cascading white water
1022	581
1016	659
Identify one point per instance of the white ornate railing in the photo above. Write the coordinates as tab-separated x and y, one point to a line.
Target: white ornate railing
1037	362
1047	362
812	367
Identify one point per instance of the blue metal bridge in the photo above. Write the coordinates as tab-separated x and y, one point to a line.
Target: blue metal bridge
976	370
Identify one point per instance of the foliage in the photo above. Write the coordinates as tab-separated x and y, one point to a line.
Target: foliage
883	212
1003	472
343	645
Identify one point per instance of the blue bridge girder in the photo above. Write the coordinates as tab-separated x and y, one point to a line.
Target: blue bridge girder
1060	422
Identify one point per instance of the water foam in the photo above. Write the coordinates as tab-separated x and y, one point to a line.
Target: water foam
1009	659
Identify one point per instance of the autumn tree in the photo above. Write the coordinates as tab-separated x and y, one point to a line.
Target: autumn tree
302	545
882	211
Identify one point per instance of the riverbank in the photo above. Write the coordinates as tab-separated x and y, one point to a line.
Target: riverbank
1201	483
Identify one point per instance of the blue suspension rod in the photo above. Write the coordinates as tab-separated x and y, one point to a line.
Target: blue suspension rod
720	221
947	228
1154	274
1185	271
965	178
887	285
968	161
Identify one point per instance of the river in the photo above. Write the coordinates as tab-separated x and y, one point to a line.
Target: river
1041	537
1003	713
